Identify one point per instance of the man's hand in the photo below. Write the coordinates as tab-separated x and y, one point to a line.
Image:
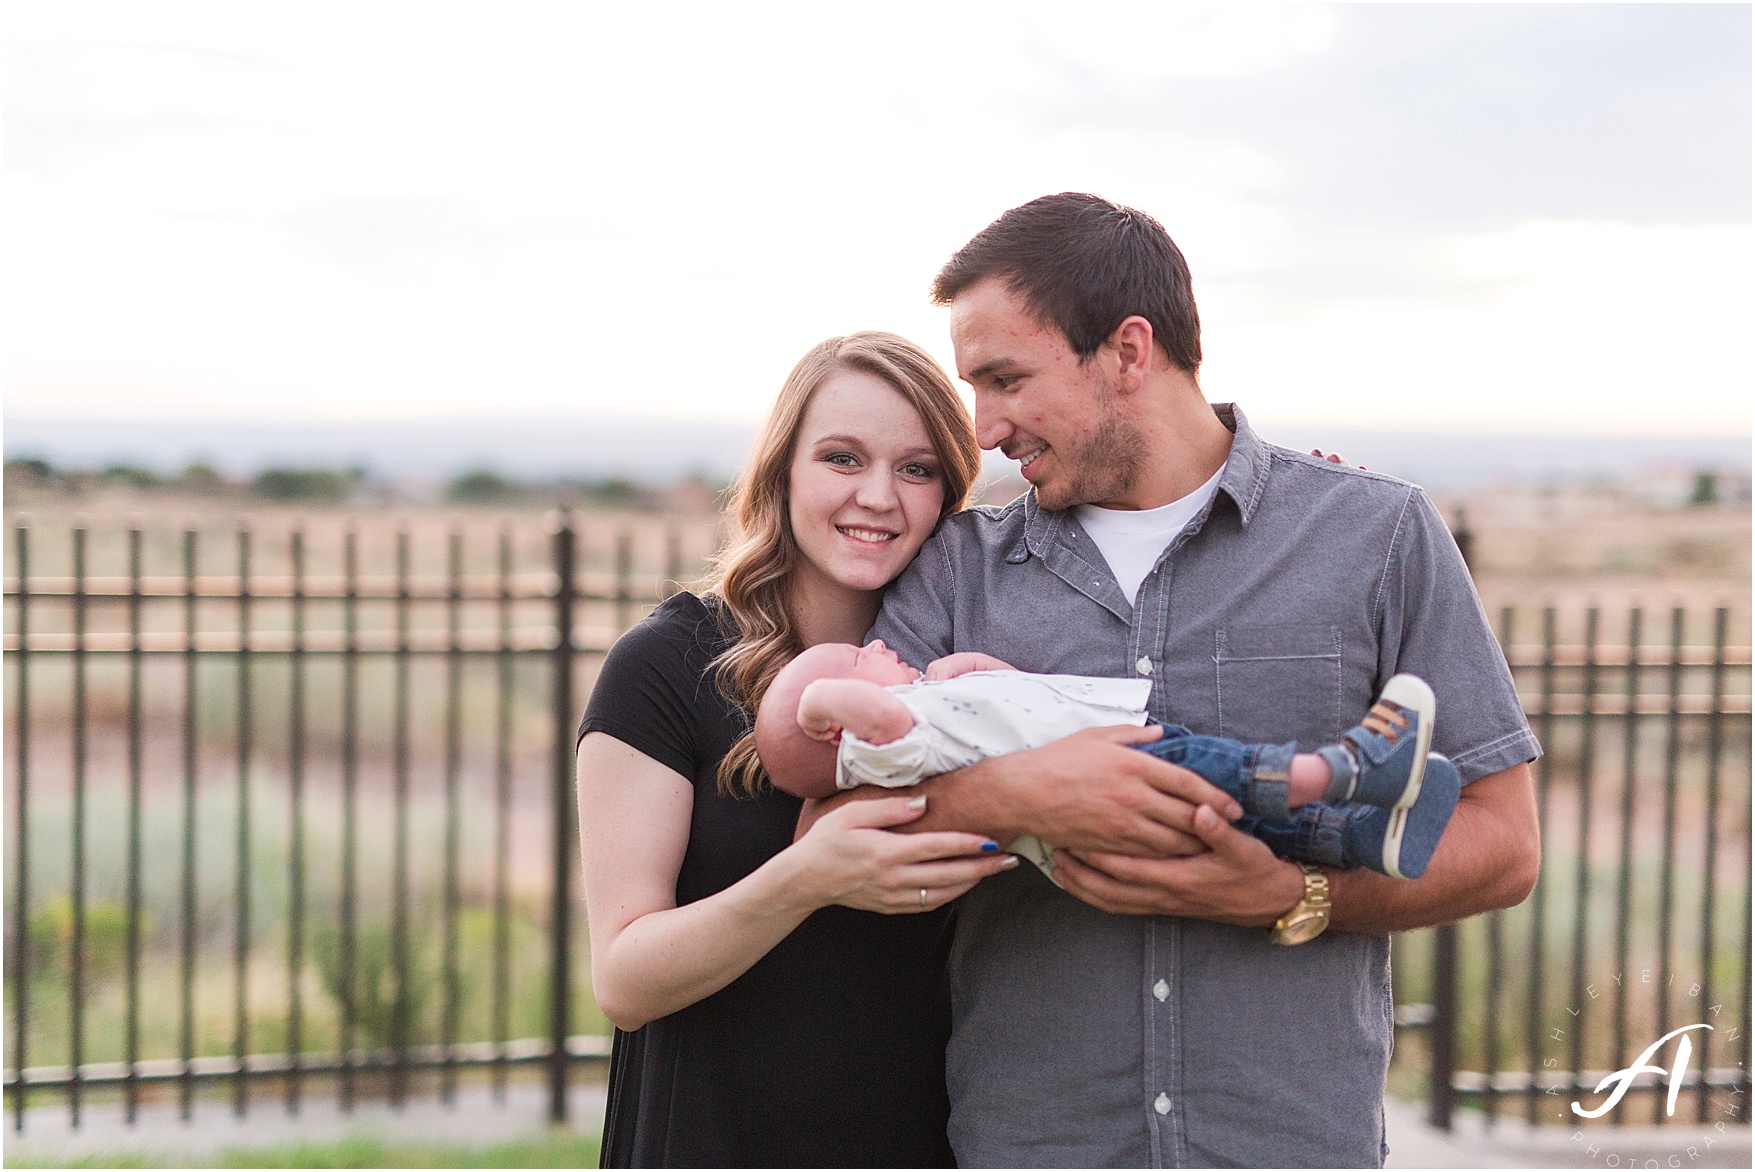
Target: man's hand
1087	791
962	663
1234	879
1489	858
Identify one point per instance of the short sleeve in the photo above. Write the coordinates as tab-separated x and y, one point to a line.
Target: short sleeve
1432	624
652	693
916	619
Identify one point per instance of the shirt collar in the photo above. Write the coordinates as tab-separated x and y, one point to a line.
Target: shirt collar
1243	479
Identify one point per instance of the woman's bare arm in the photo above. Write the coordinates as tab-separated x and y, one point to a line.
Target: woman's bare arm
650	958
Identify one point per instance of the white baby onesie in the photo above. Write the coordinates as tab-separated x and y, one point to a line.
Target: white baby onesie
983	714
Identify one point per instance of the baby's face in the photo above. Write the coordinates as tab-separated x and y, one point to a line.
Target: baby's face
881	666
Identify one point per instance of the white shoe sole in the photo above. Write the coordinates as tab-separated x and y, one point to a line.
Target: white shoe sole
1414	694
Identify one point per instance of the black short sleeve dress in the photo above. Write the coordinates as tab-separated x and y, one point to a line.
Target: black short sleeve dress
829	1051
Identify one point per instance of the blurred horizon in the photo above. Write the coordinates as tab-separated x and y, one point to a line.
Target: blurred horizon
529	448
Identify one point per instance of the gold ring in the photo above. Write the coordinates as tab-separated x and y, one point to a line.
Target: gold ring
923	899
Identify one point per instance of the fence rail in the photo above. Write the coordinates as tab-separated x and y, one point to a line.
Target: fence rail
242	702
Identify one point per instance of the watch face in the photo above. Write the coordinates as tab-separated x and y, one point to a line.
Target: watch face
1307	926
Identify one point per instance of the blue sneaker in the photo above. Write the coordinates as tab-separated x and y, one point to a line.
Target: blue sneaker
1382	759
1400	843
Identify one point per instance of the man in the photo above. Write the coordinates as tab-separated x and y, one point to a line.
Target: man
1148	1011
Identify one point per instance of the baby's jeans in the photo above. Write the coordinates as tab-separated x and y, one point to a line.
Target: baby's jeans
1315	833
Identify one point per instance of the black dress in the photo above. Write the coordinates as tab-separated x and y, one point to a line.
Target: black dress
829	1051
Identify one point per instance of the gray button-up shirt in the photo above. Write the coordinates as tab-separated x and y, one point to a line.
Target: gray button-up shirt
1084	1038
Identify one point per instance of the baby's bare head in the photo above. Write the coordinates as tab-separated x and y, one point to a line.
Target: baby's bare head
873	663
779	739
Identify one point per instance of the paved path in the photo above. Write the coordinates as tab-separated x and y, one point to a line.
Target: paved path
476	1120
1512	1143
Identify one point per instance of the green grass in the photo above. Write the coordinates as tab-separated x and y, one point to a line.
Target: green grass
558	1149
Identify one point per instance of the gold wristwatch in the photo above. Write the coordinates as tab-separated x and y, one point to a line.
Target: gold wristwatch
1308	918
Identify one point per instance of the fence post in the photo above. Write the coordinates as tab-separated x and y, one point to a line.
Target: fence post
1441	1036
561	902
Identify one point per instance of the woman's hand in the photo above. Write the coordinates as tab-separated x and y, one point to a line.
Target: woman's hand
1336	458
850	857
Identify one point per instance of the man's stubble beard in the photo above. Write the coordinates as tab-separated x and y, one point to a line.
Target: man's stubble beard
1102	468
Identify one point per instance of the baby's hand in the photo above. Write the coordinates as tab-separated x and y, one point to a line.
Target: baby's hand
962	663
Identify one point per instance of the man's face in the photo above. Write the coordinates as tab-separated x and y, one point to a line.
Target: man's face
1036	402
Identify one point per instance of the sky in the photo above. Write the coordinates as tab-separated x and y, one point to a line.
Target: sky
1493	218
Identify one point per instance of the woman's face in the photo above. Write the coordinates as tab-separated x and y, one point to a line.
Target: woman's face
866	484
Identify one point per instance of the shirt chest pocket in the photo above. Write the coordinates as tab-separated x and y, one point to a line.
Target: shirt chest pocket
1279	683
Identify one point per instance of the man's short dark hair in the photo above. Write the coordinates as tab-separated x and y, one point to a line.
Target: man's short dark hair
1085	264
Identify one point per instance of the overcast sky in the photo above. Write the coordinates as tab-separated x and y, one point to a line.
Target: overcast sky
1495	217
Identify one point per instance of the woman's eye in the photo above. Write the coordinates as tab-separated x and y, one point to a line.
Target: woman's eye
918	471
842	459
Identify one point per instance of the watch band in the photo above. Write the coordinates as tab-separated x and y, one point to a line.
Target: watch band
1308	918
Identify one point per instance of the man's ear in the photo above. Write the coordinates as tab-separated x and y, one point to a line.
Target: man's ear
1132	343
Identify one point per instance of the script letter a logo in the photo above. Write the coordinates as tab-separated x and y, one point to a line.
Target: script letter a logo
1623	1079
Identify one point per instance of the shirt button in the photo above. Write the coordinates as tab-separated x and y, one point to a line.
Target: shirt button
1161	990
1144	666
1161	1104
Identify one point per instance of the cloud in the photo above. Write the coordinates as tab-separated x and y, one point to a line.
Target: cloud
1471	116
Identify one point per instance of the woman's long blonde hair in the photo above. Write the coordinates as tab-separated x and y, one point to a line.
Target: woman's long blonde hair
753	575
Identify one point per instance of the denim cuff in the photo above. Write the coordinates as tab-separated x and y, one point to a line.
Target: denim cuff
1264	786
1322	833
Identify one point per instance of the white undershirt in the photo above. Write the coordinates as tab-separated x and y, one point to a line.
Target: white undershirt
1131	540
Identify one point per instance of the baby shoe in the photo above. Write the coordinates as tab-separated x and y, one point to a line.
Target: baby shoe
1400	842
1381	760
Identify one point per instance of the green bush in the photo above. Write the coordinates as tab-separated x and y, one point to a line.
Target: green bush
374	980
106	938
317	485
483	486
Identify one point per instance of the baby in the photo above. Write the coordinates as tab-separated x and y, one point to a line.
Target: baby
840	716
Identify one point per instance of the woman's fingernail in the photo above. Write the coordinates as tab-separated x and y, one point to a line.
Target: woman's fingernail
917	803
1008	862
1233	811
990	846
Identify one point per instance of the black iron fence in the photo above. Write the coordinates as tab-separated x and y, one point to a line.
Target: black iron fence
310	818
1640	921
197	667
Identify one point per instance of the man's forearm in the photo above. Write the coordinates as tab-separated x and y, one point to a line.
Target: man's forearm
1089	790
1488	858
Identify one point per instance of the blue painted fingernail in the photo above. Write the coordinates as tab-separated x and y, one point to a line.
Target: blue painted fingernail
990	846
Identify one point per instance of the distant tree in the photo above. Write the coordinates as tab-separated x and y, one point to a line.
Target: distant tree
201	478
614	492
30	472
1705	488
314	485
130	475
482	486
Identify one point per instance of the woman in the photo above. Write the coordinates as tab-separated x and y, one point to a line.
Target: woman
766	1013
